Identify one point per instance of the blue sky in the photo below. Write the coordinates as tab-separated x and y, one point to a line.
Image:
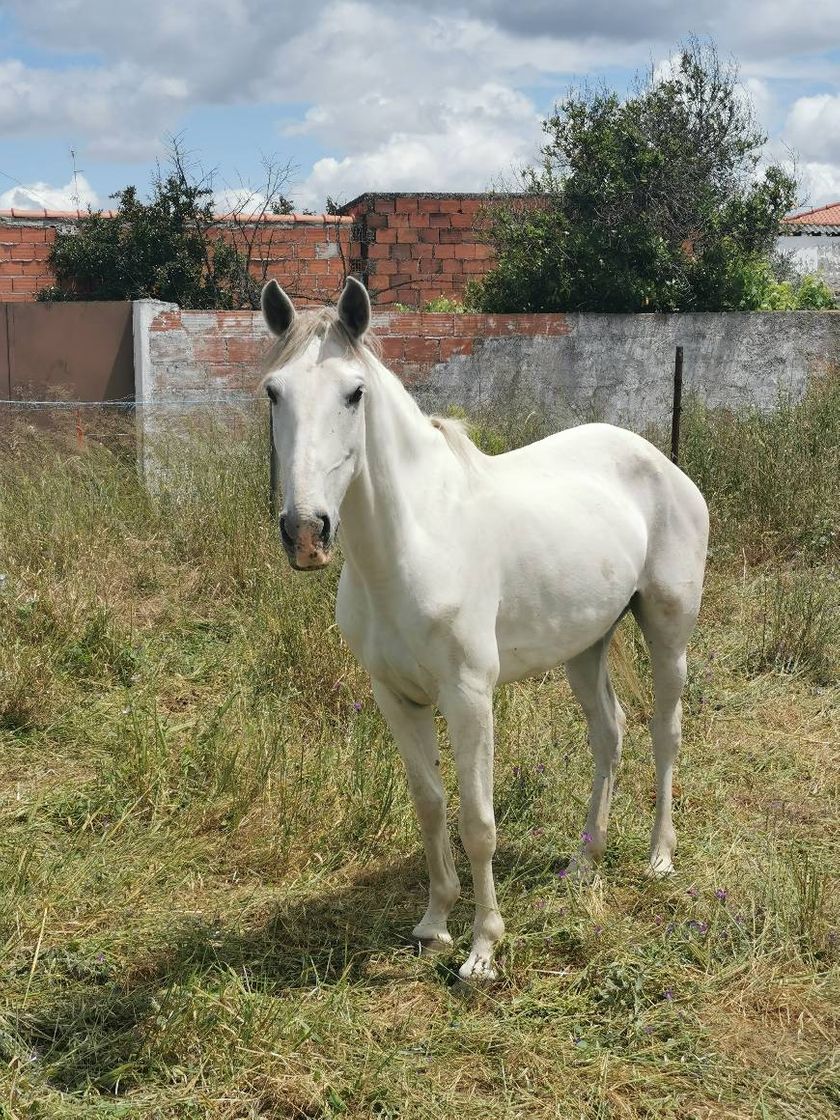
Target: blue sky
369	94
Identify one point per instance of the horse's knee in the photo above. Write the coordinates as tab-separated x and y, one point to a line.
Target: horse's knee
430	807
478	832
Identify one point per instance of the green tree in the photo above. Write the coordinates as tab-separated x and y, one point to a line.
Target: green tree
651	203
171	247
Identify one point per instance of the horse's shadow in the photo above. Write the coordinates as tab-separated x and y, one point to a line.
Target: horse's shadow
98	1032
356	933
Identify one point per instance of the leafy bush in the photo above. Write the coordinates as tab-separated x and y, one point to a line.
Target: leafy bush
646	204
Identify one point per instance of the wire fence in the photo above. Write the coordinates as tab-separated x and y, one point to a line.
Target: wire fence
149	430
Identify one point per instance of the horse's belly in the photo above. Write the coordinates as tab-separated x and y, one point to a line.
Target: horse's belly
562	605
548	645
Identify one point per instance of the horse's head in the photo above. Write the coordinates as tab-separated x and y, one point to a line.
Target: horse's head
315	385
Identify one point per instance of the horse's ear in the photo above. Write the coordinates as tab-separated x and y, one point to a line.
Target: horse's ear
354	307
276	308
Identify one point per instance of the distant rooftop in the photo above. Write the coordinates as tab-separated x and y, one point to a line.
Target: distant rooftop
823	219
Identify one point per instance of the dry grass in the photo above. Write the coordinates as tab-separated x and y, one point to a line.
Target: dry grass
208	862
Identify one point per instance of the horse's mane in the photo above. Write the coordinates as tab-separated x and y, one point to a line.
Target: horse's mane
305	326
458	438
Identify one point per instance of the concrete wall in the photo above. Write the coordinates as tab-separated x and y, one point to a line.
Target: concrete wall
619	368
815	253
570	367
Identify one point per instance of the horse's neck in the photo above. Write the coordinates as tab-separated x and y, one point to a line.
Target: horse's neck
404	456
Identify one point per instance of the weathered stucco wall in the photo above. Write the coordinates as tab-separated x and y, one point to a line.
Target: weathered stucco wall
619	368
571	368
815	253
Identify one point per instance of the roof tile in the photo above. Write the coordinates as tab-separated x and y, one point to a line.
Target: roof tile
822	216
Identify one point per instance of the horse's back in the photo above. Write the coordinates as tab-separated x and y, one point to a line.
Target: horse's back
607	457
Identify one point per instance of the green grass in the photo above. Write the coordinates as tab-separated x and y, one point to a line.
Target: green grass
209	864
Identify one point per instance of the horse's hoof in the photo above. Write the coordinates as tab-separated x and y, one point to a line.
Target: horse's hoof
431	939
429	946
661	866
478	967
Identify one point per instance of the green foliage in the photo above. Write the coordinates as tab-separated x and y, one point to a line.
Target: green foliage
652	203
809	293
150	250
445	304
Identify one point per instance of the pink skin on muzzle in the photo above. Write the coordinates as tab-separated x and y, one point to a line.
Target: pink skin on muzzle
310	551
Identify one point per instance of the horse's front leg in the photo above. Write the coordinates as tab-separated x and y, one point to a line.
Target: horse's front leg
413	728
468	709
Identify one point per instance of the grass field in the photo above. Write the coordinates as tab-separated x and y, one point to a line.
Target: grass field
209	865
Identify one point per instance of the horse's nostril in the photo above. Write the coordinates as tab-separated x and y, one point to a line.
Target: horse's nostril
325	529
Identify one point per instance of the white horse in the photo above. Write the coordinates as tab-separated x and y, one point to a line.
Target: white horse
463	571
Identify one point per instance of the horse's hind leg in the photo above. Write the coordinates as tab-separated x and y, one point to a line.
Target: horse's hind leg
589	678
666	623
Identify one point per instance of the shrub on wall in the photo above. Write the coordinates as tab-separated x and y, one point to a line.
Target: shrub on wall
170	247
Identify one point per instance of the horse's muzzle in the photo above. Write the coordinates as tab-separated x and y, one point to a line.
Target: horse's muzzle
308	542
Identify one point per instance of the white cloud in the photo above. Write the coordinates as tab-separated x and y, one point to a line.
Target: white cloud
759	95
477	134
118	112
820	182
239	200
813	126
400	94
75	195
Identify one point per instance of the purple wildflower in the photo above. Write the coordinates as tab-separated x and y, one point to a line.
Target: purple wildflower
658	920
540	769
357	705
699	925
692	891
586	837
598	931
668	994
100	957
647	1030
562	873
540	904
537	833
721	895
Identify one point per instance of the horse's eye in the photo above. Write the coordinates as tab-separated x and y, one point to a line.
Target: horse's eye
354	398
272	393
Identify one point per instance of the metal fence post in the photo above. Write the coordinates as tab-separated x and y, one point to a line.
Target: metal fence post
677	406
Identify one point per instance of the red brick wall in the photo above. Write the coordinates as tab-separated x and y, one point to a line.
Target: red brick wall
306	253
407	248
24	248
213	353
412	248
412	344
